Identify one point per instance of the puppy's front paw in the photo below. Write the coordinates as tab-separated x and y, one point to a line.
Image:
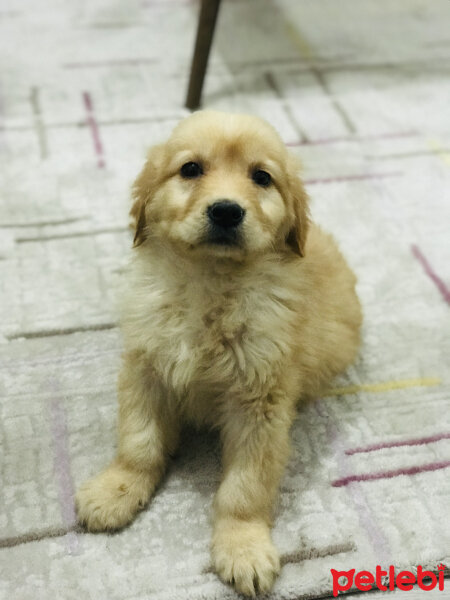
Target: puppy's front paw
111	500
243	554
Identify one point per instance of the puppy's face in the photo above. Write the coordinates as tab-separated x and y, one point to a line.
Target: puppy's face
223	185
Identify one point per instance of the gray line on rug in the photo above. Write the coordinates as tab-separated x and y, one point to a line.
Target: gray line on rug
345	118
49	223
103	123
408	154
38	121
74	234
440	63
63	331
37	536
273	85
302	555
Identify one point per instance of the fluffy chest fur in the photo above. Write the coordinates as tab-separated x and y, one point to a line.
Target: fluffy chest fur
207	331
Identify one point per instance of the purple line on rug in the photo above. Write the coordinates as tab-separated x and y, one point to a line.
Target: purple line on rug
366	517
360	177
411	442
94	129
445	292
62	471
436	466
353	138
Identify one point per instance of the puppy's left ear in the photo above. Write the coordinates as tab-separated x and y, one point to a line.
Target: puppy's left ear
142	192
298	198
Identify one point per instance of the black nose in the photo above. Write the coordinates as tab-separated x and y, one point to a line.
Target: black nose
226	213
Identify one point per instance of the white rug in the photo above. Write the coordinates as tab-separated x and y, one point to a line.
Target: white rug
360	90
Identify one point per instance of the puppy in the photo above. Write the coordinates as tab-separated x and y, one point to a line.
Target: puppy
236	307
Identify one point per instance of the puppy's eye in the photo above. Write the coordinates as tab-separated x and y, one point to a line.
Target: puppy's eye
191	170
261	178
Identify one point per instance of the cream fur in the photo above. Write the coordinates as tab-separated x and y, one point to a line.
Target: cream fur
222	337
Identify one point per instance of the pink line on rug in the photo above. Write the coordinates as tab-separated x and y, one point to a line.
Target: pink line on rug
445	292
352	138
436	466
361	177
366	516
94	129
411	442
63	472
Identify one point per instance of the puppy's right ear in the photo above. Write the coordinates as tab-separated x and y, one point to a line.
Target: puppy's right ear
142	192
296	238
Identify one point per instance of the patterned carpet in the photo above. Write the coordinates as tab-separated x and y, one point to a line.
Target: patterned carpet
359	89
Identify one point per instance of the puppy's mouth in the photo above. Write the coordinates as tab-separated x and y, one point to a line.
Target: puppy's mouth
222	236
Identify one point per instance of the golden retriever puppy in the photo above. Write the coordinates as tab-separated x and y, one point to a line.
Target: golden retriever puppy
236	306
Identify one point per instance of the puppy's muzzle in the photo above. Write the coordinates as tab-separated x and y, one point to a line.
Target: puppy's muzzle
224	218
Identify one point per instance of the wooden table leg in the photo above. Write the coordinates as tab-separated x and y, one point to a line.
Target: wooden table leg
206	24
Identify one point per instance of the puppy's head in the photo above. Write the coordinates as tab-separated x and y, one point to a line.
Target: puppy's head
223	184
